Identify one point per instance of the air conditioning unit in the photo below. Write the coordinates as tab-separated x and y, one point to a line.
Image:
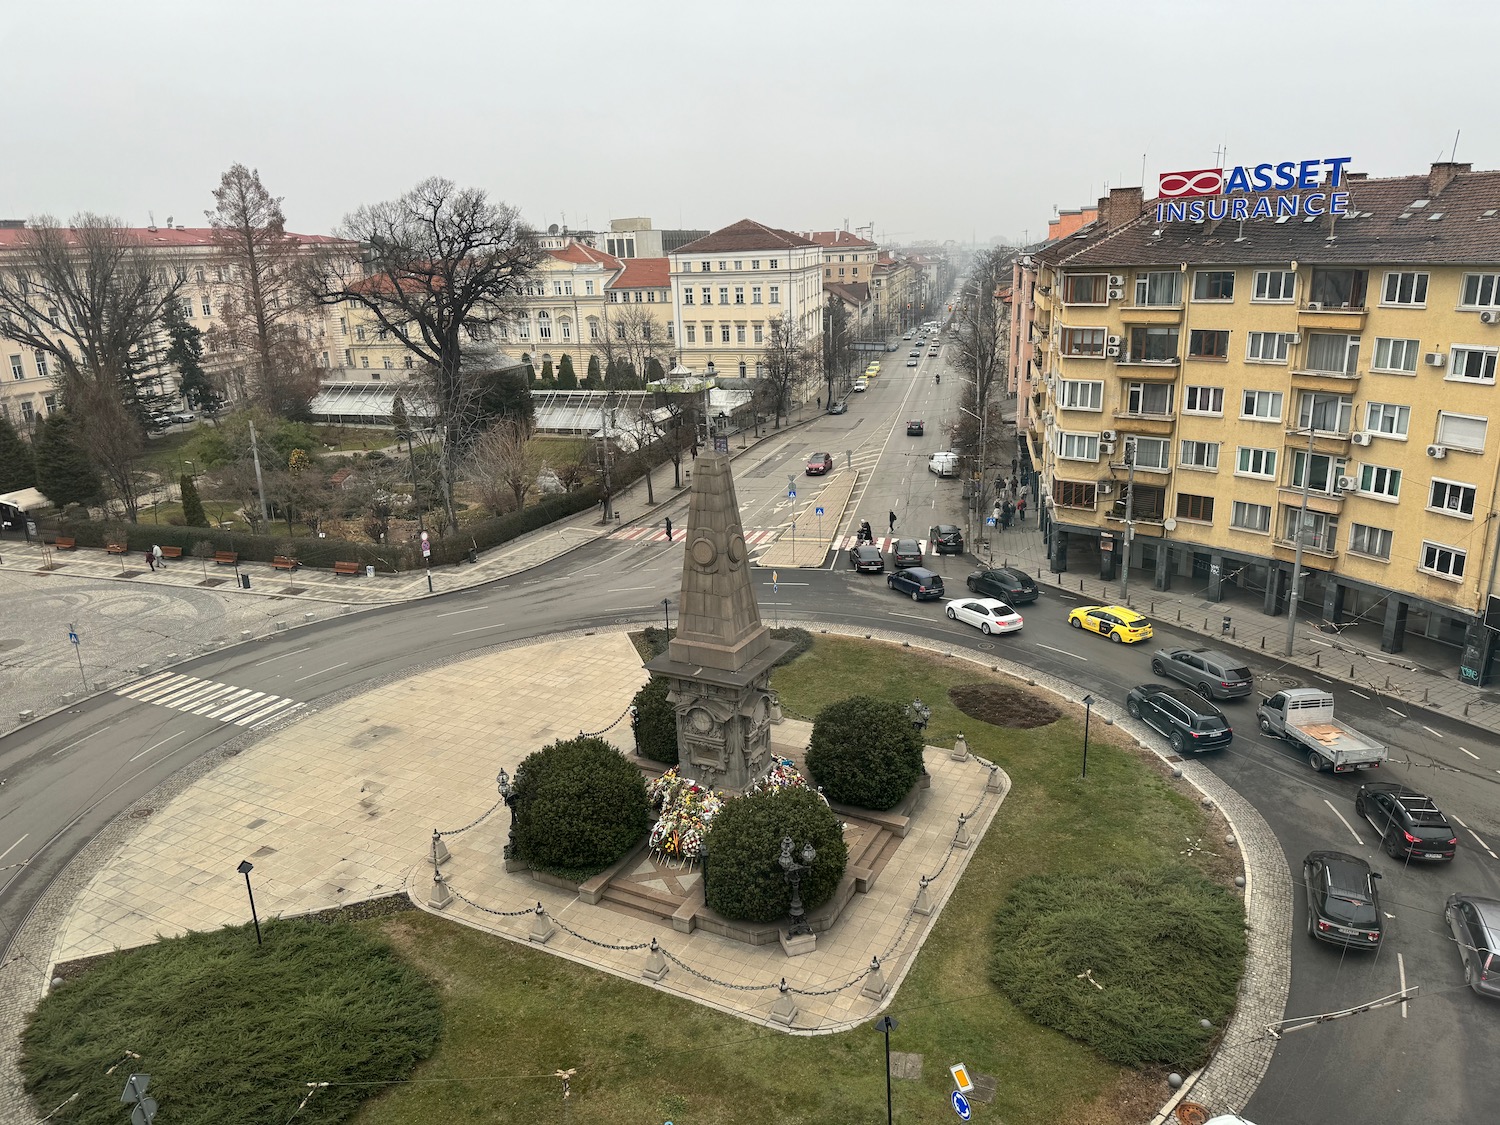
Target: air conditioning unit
1361	437
1117	294
1314	306
1294	337
1114	341
1105	487
1435	359
1107	448
1047	418
1113	352
1489	316
1437	451
1116	281
1044	289
1108	435
1347	484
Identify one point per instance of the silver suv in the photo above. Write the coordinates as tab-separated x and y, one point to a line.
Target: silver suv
1213	675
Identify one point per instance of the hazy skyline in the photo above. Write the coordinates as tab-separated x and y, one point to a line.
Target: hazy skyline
943	121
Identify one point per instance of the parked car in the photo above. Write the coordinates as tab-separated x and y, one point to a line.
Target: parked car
839	407
1191	723
873	367
1342	905
988	615
906	552
158	421
1013	586
911	363
819	463
1116	622
946	539
914	428
183	416
922	584
867	559
944	464
1212	674
1475	923
1410	824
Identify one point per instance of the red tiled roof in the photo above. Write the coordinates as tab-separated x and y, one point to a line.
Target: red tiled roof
643	273
852	292
11	236
581	255
746	234
839	239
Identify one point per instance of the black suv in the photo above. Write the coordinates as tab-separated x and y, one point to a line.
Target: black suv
1342	905
1410	823
1013	586
946	539
922	584
1191	723
906	552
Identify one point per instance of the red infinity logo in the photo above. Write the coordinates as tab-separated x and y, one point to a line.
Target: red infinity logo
1204	181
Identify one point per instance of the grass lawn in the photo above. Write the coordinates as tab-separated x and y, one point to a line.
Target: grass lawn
348	439
557	449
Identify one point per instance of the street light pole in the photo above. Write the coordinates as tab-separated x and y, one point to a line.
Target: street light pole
1129	520
244	869
1088	710
886	1025
1291	599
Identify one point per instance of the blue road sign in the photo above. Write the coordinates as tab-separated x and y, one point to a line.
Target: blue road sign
989	521
818	510
791	494
73	637
961	1106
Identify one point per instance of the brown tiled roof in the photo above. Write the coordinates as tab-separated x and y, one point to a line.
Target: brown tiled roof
852	292
644	273
746	234
839	239
580	255
1460	224
12	235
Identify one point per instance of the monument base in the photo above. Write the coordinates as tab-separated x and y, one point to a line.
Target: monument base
797	946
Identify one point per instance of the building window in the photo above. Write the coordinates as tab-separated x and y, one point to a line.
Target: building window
208	308
723	267
775	294
1250	517
1452	498
41	364
1266	347
1323	474
1387	418
1317	530
1074	494
723	294
1199	455
17	370
588	288
364	361
692	333
755	294
671	332
1159	288
1080	395
1480	291
1472	365
50	403
1378	480
1405	289
738	264
1396	356
523	330
557	287
759	333
708	295
1154	344
348	357
1149	398
1274	285
359	333
1191	507
739	294
201	276
593	328
1334	352
1326	413
544	325
1150	502
1150	453
28	412
1208	343
410	363
389	363
1256	463
1203	400
620	330
739	333
723	333
1078	447
568	287
566	327
1445	562
1086	342
687	295
775	264
1338	289
1372	541
755	263
703	267
1213	285
1086	289
1461	431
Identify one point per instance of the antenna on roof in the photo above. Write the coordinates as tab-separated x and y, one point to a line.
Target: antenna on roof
1454	157
151	220
169	220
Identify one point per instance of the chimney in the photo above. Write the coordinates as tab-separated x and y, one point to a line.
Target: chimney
1121	205
1443	174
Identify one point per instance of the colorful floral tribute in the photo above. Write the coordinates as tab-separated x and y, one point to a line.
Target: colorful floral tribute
782	775
686	810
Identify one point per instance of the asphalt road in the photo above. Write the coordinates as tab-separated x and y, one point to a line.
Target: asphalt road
64	778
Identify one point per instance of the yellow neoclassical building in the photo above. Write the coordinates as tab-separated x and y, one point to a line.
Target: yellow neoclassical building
1226	388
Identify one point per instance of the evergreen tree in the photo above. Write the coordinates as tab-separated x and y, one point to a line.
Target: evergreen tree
192	506
17	467
654	370
530	370
592	382
63	471
594	376
548	377
185	352
400	423
565	372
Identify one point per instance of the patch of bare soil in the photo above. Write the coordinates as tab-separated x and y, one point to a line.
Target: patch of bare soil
1001	705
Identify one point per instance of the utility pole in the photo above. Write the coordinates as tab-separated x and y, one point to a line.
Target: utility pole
260	486
1291	598
1129	519
604	457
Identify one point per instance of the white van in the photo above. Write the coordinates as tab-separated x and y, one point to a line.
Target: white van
943	464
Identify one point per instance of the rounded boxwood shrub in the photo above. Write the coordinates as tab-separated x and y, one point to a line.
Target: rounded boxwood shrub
656	723
742	879
579	806
865	752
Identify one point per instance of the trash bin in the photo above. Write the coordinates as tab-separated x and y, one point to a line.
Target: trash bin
473	555
244	582
369	570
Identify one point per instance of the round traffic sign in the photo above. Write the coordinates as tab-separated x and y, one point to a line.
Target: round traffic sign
961	1106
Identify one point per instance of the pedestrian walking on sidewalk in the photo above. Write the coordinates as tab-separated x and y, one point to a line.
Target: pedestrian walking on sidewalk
669	529
160	562
1021	507
893	523
151	558
1007	513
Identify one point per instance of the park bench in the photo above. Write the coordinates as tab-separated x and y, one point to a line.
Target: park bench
346	568
227	558
171	552
64	544
117	548
284	562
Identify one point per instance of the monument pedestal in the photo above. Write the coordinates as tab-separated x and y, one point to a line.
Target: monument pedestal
797	946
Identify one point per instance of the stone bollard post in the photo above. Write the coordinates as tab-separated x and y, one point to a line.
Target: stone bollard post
875	986
776	715
441	896
961	837
784	1011
541	929
993	784
656	964
960	749
923	904
439	849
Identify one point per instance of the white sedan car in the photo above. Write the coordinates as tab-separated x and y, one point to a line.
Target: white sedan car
988	615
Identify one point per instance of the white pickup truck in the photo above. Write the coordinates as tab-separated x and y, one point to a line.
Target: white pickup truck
1304	716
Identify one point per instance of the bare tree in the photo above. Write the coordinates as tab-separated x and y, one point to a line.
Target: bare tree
838	352
788	359
631	337
442	266
90	297
502	466
982	324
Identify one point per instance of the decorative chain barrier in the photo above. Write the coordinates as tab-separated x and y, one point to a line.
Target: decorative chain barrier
601	944
472	824
836	988
488	910
681	964
606	730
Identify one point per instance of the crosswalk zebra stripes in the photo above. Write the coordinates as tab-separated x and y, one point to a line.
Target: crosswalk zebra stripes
659	535
224	703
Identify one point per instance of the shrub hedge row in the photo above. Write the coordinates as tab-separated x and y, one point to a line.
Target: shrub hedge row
656	723
864	752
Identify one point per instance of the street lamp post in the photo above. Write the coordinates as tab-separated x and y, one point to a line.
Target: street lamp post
1291	598
244	869
1088	710
886	1025
793	868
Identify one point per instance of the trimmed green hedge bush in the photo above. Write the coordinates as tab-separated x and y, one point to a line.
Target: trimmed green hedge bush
742	879
1167	946
801	641
579	806
656	723
864	752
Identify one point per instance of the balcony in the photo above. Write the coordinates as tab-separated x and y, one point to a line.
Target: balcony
1328	503
1151	314
1325	380
1345	318
1333	442
1315	549
1147	370
1151	424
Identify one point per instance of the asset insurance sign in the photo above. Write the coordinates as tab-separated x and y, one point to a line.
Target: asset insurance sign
1290	187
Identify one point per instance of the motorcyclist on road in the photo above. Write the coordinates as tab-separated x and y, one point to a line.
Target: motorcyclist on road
937	376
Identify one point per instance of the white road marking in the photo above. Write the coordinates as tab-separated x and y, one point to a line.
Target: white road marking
1393	711
81	741
1344	822
1429	730
1361	694
1064	651
1315	641
1456	821
626	589
283	656
310	675
1481	843
451	612
482	628
14	846
1469	752
163	742
256	716
893	613
253	701
1401	968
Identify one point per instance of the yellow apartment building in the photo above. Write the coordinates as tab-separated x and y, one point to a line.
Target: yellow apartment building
1198	395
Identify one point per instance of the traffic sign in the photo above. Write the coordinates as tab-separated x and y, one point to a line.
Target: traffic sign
961	1078
989	521
961	1106
73	637
791	494
818	510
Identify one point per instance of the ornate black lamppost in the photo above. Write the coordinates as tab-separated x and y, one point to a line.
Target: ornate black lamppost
919	713
792	872
508	795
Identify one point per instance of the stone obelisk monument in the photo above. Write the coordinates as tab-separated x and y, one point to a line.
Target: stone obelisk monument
718	667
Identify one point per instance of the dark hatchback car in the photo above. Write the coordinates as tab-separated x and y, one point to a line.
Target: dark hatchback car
1475	923
1211	674
838	407
947	539
914	428
1342	905
922	584
906	552
867	559
1191	723
1013	586
1410	824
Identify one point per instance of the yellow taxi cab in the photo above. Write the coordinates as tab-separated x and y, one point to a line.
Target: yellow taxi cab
1119	624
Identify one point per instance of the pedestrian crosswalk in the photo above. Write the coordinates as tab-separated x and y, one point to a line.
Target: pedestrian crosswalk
659	535
209	698
883	543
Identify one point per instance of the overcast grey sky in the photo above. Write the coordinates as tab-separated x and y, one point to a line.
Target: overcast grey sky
944	120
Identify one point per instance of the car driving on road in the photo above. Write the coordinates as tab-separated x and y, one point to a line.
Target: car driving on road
1212	674
914	428
867	559
1410	824
1013	586
1117	622
911	363
1475	923
819	463
922	584
1191	723
1343	907
988	615
906	552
